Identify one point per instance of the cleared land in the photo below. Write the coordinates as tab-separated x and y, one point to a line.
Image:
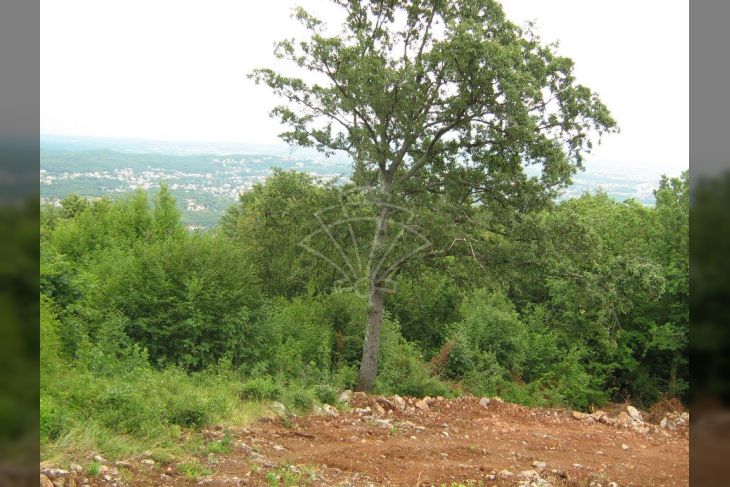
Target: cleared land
382	441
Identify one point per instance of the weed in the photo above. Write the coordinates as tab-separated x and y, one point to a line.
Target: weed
93	469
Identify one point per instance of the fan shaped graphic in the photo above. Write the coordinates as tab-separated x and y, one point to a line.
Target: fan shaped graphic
345	232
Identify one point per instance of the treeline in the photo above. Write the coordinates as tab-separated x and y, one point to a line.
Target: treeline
580	304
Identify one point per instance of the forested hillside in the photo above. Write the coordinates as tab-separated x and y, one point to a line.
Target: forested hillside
147	328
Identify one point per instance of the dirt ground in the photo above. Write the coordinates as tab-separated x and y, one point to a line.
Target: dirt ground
443	442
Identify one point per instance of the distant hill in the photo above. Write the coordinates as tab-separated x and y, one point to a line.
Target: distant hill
206	178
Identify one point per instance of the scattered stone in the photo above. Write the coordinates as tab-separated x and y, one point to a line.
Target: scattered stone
445	434
120	463
634	413
378	409
365	410
664	422
624	446
539	465
382	423
491	476
608	421
505	474
484	401
54	473
421	405
279	448
99	459
529	474
497	399
579	415
345	396
597	415
164	476
385	403
359	395
148	461
330	410
623	419
399	402
278	407
45	481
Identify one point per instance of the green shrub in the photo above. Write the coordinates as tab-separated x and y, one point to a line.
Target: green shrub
261	389
299	397
51	418
325	393
402	370
93	469
345	376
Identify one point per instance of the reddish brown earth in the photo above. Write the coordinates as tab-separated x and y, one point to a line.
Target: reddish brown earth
456	440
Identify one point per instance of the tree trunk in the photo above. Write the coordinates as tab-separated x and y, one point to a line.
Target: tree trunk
376	301
371	347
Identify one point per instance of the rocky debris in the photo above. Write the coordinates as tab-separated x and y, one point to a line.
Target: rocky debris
634	413
148	462
539	465
597	415
382	423
674	421
345	396
54	473
262	460
624	446
278	407
623	419
100	459
422	405
484	401
378	409
630	418
529	475
361	411
399	402
385	403
59	477
505	474
330	410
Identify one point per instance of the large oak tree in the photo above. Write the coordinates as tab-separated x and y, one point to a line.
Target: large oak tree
434	97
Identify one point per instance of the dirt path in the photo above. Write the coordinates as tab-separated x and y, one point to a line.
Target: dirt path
446	441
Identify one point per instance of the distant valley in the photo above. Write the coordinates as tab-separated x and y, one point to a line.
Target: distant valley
206	178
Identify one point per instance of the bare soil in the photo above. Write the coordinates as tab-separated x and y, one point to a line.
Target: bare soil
451	441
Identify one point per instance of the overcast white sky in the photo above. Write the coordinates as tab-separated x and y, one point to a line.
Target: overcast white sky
176	69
